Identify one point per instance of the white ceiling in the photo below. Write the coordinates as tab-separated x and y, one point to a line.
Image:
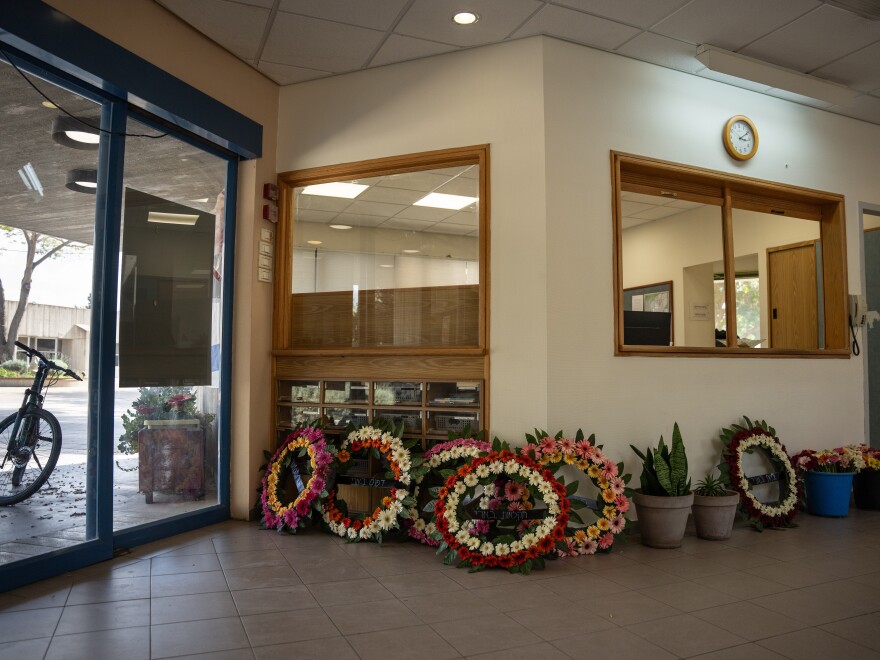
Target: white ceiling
297	40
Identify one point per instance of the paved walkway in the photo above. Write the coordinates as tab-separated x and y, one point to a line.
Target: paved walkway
54	517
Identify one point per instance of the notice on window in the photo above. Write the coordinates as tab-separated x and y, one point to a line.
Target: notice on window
701	312
638	303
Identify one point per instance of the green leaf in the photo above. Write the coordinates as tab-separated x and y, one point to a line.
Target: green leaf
464	563
429	507
571	488
679	464
496	444
443	547
447	472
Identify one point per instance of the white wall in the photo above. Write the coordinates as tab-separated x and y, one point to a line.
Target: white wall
552	111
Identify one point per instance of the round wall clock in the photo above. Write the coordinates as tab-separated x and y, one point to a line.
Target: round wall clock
740	137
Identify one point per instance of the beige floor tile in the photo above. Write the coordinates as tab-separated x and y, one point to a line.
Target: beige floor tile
234	654
749	621
791	574
274	599
193	637
36	596
585	586
191	607
552	623
634	549
128	643
251	559
815	644
349	591
691	566
639	576
864	630
29	624
360	551
261	578
402	644
249	540
508	597
743	652
202	547
400	564
336	648
185	564
420	584
291	626
688	596
823	603
331	571
488	578
104	616
101	591
353	619
742	585
469	639
623	645
736	558
685	635
630	607
447	606
187	583
27	649
788	550
544	651
116	568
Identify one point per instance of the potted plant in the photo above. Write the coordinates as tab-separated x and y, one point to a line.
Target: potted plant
664	500
828	478
167	431
866	483
714	509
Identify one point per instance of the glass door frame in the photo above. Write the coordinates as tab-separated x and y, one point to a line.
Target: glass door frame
108	220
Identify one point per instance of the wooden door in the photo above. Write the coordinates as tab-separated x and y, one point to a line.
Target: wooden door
794	298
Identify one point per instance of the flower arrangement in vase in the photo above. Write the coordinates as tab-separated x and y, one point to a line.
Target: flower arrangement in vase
159	404
828	477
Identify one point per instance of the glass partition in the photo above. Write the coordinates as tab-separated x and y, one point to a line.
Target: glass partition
387	260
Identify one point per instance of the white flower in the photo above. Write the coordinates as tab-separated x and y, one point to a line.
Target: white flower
524	470
482	471
487	548
460	488
352	533
462	536
484	502
535	479
516	546
473	543
386	519
401	494
419	524
528	540
496	467
489	489
471	480
430	528
511	467
502	549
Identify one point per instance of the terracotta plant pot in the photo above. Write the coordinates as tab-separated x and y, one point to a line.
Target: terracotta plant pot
662	519
714	516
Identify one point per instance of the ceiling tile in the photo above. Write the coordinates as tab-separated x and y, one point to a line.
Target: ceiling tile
815	39
426	213
643	13
865	107
684	204
642	198
461	186
375	14
403	223
375	208
631	208
468	218
398	48
448	228
390	195
657	212
424	181
312	43
238	28
578	27
321	203
432	19
288	75
657	49
730	25
628	223
311	215
358	220
859	70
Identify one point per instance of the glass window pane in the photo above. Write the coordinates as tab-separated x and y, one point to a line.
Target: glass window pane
47	227
170	311
387	261
672	250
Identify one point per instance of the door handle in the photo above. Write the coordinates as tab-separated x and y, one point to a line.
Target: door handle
774	313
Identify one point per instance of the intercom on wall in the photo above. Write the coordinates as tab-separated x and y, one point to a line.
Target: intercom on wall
858	310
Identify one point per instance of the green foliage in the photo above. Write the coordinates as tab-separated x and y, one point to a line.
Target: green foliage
170	402
711	486
665	469
16	367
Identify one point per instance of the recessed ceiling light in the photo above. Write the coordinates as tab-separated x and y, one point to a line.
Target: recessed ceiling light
335	189
49	104
82	180
386	265
340	226
444	201
77	133
187	219
200	200
410	251
314	242
465	18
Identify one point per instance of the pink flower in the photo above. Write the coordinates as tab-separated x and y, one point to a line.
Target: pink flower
548	445
584	449
566	445
621	503
515	506
481	527
617	485
514	491
617	524
590	547
606	540
609	470
529	451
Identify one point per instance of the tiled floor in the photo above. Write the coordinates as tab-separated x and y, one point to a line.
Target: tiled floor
232	591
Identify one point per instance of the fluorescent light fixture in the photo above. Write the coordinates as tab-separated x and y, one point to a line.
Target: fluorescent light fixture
465	18
410	251
314	242
444	201
748	68
335	189
31	181
386	265
340	226
172	218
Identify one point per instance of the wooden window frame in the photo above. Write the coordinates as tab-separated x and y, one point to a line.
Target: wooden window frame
633	173
289	181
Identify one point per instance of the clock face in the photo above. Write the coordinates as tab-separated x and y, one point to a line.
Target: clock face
740	138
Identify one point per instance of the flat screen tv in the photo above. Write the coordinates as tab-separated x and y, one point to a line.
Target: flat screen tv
647	328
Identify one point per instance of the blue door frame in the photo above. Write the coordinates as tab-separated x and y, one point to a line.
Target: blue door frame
38	38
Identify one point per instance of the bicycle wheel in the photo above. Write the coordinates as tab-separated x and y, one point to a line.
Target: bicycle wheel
25	469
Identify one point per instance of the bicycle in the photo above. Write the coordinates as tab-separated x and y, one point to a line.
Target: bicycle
31	436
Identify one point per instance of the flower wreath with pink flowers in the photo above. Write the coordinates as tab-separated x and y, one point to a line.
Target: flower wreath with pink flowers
607	476
282	467
443	459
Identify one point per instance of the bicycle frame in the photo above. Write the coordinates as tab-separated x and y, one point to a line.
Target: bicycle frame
33	398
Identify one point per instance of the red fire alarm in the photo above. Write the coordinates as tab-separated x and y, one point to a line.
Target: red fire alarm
270	212
270	192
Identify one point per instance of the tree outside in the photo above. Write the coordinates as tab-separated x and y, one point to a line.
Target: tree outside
748	307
